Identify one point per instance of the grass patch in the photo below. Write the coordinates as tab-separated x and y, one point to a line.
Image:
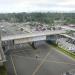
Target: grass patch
3	70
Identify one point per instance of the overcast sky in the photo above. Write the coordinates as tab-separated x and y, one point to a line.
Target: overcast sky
37	6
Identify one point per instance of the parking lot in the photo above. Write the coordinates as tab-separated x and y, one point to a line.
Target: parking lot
45	60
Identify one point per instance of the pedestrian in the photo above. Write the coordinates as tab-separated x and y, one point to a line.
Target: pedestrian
36	56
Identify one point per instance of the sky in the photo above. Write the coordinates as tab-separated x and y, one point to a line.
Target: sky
11	6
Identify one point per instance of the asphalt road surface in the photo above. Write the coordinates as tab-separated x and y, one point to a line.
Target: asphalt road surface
45	60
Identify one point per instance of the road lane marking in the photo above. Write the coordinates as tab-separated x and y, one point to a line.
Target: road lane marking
13	66
61	62
42	62
40	59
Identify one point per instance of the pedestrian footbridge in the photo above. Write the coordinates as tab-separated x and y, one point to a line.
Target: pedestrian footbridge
36	36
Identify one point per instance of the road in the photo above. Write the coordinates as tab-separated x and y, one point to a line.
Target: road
45	60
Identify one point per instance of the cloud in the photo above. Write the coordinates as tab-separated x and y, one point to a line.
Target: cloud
37	5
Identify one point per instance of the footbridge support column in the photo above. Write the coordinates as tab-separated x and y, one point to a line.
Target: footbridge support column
33	44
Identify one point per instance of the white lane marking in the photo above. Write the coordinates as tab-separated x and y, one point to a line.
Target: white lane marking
42	62
40	59
13	66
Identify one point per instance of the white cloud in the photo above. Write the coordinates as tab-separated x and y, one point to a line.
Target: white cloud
36	5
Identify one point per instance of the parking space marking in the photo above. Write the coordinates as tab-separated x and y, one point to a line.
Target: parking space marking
13	66
42	62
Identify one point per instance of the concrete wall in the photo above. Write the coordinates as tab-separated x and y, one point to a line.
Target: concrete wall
25	40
